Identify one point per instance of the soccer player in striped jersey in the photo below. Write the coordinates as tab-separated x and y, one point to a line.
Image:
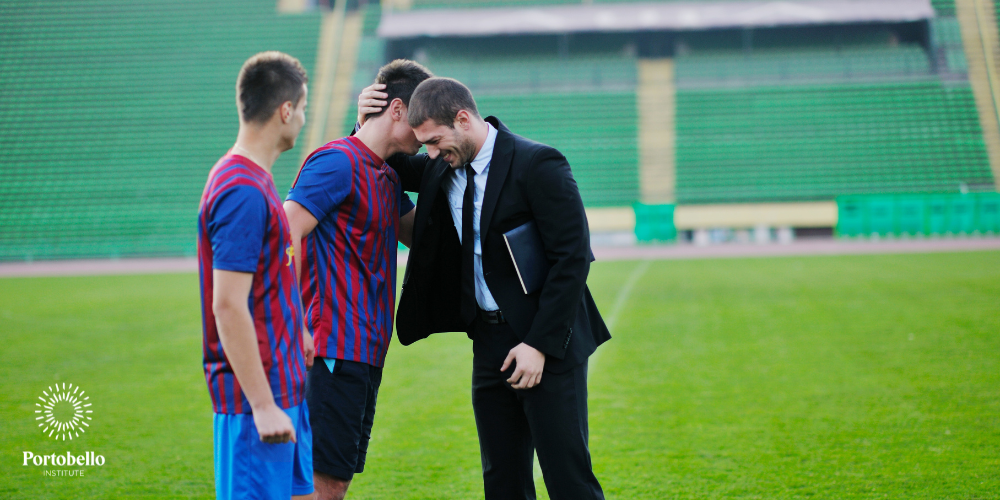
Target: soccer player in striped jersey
347	208
256	350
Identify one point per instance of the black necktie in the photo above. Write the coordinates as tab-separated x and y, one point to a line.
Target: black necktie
468	246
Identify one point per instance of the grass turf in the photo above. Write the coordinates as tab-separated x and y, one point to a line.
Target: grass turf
812	377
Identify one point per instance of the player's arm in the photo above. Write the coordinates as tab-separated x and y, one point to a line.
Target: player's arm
301	223
323	183
230	290
405	232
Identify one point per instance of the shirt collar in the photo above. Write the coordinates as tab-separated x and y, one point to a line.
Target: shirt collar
486	153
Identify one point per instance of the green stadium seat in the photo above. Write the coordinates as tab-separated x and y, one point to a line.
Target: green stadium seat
584	106
815	142
114	112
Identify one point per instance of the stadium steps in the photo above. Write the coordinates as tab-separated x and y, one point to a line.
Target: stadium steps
328	51
342	96
982	50
656	105
293	6
369	57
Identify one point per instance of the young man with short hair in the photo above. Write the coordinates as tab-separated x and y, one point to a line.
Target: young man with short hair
255	348
346	210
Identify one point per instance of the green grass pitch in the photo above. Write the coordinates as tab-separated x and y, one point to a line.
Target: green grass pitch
810	377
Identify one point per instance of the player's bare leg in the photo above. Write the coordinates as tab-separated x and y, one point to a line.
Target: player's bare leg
329	487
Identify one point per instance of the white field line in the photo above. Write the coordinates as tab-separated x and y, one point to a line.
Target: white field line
625	292
616	310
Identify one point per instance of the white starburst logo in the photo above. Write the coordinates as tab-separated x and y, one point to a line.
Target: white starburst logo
63	412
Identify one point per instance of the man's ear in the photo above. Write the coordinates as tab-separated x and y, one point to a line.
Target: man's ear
285	111
462	119
397	110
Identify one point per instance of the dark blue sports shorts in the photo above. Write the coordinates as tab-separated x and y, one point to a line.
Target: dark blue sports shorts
341	396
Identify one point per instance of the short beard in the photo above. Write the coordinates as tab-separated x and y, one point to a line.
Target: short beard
467	149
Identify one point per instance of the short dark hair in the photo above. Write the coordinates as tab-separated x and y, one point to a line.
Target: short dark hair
401	78
440	99
268	80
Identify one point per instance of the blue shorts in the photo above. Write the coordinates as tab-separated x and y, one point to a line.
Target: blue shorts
247	468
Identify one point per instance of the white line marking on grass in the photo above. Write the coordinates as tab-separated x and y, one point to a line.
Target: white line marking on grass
625	292
616	310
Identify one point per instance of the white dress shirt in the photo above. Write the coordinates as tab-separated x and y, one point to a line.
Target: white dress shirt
456	195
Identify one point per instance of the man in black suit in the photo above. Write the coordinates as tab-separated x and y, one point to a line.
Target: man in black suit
530	351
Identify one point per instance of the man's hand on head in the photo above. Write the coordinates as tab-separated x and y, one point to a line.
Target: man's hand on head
371	101
530	363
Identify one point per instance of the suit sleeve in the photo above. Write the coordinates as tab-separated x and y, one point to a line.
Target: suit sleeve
410	169
556	205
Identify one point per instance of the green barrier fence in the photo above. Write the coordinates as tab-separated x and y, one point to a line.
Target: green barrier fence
654	223
918	215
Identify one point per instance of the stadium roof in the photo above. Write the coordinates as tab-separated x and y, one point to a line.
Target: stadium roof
645	17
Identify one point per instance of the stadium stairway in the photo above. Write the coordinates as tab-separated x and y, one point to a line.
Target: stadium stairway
655	106
368	57
978	21
336	59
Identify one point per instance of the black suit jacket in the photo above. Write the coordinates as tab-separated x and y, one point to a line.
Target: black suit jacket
527	181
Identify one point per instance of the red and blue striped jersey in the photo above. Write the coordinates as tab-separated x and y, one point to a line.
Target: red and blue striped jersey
242	227
349	259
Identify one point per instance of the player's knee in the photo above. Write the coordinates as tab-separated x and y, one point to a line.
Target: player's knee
329	487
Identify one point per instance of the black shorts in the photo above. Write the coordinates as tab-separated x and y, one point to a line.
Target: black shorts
341	411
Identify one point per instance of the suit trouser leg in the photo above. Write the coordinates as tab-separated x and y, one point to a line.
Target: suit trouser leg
551	417
557	414
504	434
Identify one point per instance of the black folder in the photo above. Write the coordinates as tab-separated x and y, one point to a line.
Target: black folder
526	250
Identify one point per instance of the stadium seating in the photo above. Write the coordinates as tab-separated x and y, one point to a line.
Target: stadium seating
115	110
944	7
596	132
796	65
584	106
817	142
946	37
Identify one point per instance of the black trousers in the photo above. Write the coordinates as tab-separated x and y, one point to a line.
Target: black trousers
550	418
